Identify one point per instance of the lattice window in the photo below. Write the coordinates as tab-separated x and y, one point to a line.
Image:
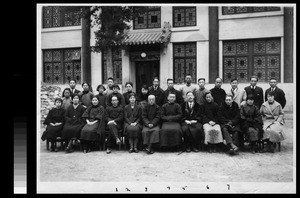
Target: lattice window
117	65
228	10
59	16
184	61
184	16
61	65
150	19
243	58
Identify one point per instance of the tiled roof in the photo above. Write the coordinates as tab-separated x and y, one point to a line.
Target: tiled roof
147	38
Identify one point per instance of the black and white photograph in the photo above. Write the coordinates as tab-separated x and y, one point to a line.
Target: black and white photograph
166	98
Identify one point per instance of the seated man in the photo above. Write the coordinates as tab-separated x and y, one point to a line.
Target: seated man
170	132
150	118
229	116
191	123
114	118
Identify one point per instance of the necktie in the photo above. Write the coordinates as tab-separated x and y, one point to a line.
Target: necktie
190	105
232	92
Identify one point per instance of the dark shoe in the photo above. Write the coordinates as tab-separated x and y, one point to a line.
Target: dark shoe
56	150
84	151
195	150
136	150
118	141
108	151
231	151
130	150
149	151
188	150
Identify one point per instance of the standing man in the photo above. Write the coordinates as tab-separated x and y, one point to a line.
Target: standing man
115	92
199	94
155	89
255	91
151	121
187	87
217	92
72	84
238	95
279	94
126	95
109	89
164	96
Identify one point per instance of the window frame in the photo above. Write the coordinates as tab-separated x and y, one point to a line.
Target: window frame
147	19
184	17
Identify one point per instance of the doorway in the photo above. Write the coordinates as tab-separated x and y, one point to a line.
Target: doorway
145	71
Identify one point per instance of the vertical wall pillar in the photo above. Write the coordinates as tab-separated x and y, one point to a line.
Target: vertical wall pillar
85	48
288	44
213	43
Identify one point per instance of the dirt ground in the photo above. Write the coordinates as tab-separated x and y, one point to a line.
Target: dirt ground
121	166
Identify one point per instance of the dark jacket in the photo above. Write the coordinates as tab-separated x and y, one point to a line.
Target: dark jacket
116	114
279	96
218	94
227	114
210	112
191	114
171	112
257	94
164	97
151	115
157	93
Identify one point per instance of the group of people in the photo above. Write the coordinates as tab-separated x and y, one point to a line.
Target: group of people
190	118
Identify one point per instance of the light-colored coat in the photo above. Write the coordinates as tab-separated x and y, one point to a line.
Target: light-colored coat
239	97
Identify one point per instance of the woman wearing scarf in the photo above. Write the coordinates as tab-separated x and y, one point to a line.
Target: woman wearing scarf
93	129
273	121
73	122
132	123
170	132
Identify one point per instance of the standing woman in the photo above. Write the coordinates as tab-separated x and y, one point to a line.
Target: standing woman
54	122
67	100
73	122
142	98
132	122
273	121
211	126
86	95
101	95
251	122
92	130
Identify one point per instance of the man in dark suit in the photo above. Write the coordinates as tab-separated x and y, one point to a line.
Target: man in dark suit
279	94
72	84
217	92
164	96
156	90
255	91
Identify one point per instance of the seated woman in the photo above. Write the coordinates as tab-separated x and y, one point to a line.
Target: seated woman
86	95
170	134
191	123
142	98
229	116
73	122
114	115
66	98
273	121
101	95
93	129
211	127
151	119
54	122
251	122
132	122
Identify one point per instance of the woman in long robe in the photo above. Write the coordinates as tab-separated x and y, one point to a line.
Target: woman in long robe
93	129
73	122
273	121
170	132
132	123
54	122
101	95
211	126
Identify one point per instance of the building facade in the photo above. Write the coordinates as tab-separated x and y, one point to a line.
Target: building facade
170	42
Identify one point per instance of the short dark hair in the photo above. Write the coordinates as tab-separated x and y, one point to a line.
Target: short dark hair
115	85
132	94
58	99
75	94
72	80
234	79
201	79
271	93
129	83
172	92
273	78
169	79
250	97
110	78
145	87
219	78
254	76
99	86
85	83
229	95
66	89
